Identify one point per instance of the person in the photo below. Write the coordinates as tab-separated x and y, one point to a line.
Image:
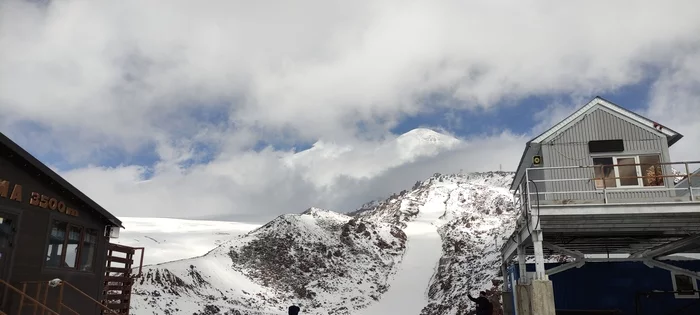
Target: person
294	310
483	306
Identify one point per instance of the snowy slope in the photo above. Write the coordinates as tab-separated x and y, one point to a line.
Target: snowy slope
173	239
408	287
476	213
417	252
327	262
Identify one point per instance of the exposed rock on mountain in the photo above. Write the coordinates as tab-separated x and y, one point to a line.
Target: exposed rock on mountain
319	259
331	263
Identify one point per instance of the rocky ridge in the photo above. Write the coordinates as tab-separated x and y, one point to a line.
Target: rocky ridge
331	263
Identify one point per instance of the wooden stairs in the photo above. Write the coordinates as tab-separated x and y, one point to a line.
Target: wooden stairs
119	278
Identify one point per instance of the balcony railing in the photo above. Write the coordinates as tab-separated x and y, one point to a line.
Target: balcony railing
604	184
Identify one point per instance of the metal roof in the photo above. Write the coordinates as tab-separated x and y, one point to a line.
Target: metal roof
45	170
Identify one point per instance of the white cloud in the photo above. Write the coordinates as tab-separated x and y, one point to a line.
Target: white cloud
675	102
266	183
95	75
309	68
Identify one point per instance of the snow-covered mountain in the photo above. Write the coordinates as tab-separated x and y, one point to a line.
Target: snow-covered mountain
174	239
328	259
418	251
475	213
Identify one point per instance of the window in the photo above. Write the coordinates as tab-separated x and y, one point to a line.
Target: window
628	171
71	246
685	287
651	170
6	231
87	252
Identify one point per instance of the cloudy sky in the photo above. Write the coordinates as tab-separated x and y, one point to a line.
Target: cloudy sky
191	109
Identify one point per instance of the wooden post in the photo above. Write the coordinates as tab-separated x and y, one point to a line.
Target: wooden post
46	296
21	299
59	305
38	296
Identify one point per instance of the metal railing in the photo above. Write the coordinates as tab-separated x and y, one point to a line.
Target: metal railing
24	296
558	186
60	305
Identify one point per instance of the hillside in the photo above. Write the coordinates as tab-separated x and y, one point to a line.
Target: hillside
476	214
427	245
174	239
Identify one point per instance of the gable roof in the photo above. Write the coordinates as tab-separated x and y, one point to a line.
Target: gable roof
46	171
533	146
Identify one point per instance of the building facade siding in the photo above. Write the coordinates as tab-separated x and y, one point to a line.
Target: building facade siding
27	259
570	148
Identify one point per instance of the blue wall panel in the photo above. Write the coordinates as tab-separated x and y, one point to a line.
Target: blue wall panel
615	285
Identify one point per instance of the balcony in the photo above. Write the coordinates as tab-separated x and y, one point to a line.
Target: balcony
608	185
620	208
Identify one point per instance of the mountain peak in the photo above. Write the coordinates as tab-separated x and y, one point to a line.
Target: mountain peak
426	137
314	210
325	214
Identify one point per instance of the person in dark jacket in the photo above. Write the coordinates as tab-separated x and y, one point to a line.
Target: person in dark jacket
483	306
294	310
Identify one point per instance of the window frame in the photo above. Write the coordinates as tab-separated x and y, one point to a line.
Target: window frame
684	296
616	170
637	168
78	261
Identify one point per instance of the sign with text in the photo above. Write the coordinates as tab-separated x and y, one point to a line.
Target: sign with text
35	198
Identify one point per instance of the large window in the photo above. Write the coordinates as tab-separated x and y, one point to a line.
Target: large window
628	171
685	287
71	247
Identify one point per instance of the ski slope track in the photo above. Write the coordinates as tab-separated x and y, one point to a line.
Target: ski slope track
408	291
420	252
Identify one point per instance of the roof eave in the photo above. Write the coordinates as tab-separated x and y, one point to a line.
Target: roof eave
516	177
673	139
118	223
14	147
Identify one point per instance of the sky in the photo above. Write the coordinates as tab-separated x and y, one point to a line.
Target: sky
244	110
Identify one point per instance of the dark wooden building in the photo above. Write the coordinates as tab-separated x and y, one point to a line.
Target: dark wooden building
50	230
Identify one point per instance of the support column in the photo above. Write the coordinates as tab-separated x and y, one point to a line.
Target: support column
504	272
539	255
522	264
522	300
542	298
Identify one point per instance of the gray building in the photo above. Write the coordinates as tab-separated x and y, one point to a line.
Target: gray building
602	153
599	186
